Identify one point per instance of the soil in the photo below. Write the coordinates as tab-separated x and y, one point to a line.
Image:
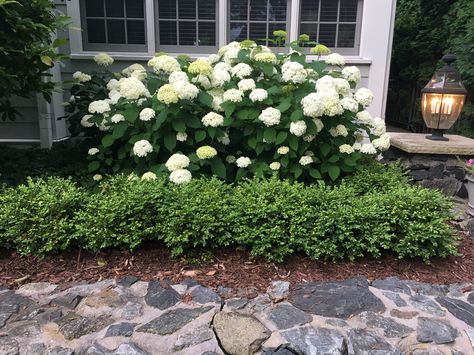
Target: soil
229	268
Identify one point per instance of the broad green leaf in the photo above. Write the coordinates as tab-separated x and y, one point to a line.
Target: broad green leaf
211	131
240	174
350	162
252	142
131	114
193	122
334	158
281	136
93	166
205	98
179	125
269	134
267	69
58	42
284	106
315	173
296	115
47	60
200	136
108	140
274	90
334	172
293	142
170	141
119	130
218	168
325	149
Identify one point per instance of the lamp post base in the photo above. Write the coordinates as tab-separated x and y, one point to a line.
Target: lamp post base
437	135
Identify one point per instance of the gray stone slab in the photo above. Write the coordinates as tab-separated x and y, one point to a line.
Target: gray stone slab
161	296
395	298
341	299
196	336
69	300
312	341
74	326
204	295
391	328
58	350
129	349
435	330
172	320
287	316
460	309
364	342
393	284
427	305
470	298
128	280
120	330
9	346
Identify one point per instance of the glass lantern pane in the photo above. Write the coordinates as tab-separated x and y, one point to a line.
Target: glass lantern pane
441	111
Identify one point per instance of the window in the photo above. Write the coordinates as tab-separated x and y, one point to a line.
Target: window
189	24
256	19
115	25
334	23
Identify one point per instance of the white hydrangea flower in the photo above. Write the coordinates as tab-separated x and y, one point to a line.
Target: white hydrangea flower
364	96
141	101
114	97
382	143
283	150
313	105
181	136
202	80
85	121
99	106
113	84
139	74
185	90
230	159
275	166
200	67
265	57
103	59
349	104
298	128
181	176
168	94
219	77
346	149
258	95
229	46
178	76
339	130
309	153
81	77
270	116
368	148
357	146
132	88
142	148
213	58
319	124
243	162
103	127
332	104
117	118
293	72
335	59
378	125
164	64
97	177
148	176
233	95
147	114
241	70
306	160
325	83
177	161
130	69
225	140
231	55
223	66
342	86
93	151
217	99
351	74
212	119
364	117
246	84
309	137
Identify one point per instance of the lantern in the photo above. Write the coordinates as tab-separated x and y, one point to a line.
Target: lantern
442	99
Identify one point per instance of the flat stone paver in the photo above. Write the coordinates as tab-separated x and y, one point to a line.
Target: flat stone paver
132	317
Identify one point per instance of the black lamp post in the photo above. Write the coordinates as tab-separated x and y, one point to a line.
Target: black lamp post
442	99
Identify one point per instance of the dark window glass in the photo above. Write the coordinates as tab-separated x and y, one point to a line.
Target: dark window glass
238	31
309	10
187	9
96	31
95	8
136	31
207	34
114	8
328	11
277	10
327	34
206	10
168	33
311	29
346	36
258	32
348	11
116	31
274	27
135	8
258	10
187	33
167	9
238	10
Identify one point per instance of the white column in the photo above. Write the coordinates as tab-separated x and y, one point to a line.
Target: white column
378	20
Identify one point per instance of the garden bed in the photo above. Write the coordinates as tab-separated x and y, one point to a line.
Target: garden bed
227	268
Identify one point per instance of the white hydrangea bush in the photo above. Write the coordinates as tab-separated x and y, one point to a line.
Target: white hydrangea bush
242	112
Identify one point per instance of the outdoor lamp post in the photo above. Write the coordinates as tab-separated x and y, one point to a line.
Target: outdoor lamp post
442	99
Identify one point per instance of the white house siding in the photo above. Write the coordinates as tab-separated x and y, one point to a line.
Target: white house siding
373	61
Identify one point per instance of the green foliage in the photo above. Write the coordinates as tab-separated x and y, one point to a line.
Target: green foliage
269	217
27	50
37	218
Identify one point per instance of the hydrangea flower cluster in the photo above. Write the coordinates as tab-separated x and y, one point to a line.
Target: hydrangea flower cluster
242	112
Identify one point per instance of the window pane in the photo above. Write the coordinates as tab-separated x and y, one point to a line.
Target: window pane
96	31
348	11
116	31
187	9
309	10
136	31
167	9
207	9
273	27
135	8
311	29
114	8
187	33
327	34
168	33
277	10
258	10
95	8
238	31
258	32
328	11
207	34
238	9
346	36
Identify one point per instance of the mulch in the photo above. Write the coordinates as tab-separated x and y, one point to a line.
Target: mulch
229	268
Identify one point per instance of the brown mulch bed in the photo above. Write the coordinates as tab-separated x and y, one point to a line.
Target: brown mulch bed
229	268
